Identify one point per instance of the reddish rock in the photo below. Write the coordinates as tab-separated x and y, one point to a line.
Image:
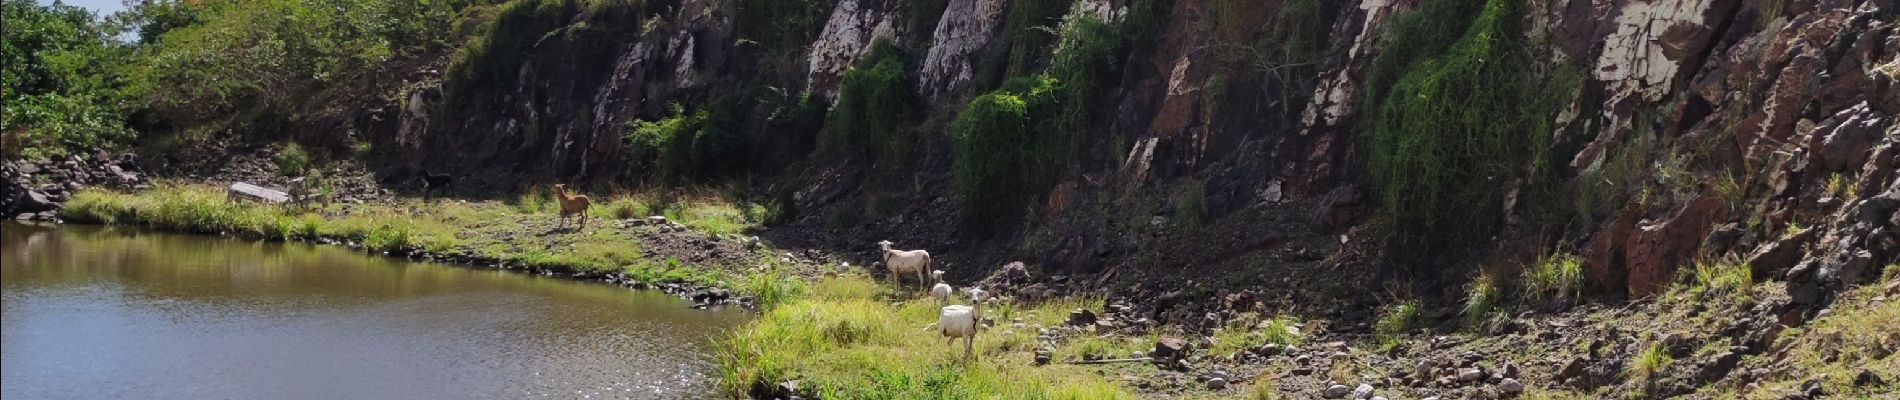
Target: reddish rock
1775	258
1652	254
1603	256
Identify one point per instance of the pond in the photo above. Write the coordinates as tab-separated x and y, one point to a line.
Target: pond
91	312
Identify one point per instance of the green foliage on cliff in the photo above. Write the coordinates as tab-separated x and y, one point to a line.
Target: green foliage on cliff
781	24
876	110
1016	142
1457	115
265	61
673	142
994	160
1028	32
496	56
58	80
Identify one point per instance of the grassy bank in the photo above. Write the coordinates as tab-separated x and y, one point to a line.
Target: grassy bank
845	338
521	233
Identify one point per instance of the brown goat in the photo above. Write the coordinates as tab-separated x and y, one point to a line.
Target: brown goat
572	204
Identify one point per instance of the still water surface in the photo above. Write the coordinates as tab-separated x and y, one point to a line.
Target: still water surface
94	313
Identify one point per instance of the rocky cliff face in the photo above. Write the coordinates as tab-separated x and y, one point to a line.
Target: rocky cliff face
1745	118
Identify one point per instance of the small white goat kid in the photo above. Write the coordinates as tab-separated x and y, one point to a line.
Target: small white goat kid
905	262
961	321
941	291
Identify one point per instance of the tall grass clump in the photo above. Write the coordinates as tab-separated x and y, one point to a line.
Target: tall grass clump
389	237
1456	114
772	288
1554	280
191	209
1482	296
1399	318
534	200
1645	364
103	207
623	207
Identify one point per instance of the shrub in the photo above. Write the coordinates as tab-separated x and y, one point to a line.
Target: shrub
1554	280
990	157
1190	203
292	160
1455	114
670	142
59	73
1028	32
783	208
493	59
780	25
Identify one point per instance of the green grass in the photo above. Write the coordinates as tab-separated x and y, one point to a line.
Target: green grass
486	229
1248	331
1857	335
842	340
1722	277
534	200
1263	388
772	288
1557	279
1399	318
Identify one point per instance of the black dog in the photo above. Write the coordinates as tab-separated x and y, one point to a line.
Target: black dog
434	182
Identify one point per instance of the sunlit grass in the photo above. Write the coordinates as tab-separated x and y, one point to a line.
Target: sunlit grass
843	340
493	230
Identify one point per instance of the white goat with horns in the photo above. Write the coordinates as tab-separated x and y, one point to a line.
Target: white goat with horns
961	321
905	262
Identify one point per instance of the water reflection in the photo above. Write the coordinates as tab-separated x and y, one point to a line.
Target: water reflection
92	312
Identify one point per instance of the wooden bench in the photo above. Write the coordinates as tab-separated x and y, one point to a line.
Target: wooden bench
246	191
302	195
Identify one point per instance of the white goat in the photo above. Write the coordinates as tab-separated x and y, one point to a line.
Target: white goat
941	290
905	262
961	321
